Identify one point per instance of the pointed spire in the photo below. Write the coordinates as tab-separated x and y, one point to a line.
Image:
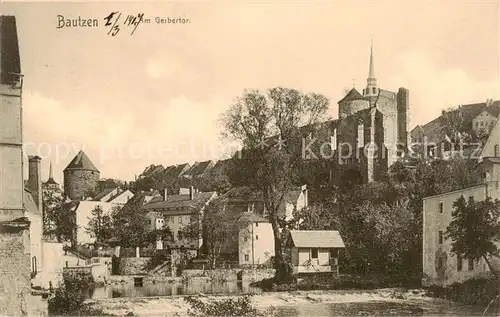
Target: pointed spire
371	73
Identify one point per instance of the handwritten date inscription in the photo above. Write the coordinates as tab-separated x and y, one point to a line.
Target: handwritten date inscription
114	23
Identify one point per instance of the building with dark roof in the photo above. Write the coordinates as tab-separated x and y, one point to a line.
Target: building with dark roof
81	177
177	212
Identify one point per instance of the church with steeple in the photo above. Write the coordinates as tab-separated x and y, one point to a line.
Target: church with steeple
371	132
51	184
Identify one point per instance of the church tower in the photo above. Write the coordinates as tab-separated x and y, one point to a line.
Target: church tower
371	90
51	184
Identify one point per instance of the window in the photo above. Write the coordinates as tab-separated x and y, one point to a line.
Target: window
257	237
245	239
471	199
459	263
179	235
374	90
440	237
247	258
314	253
471	264
256	224
441	207
180	219
497	150
440	263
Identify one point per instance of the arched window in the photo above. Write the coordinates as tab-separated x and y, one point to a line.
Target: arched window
497	150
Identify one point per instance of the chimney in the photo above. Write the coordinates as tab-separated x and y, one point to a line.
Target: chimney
35	180
191	193
165	194
306	196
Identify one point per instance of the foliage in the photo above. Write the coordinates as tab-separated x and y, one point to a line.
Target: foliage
476	291
241	306
58	221
158	258
218	228
131	227
100	225
69	298
475	229
270	126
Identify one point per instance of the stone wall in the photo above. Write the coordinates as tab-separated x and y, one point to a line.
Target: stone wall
78	182
133	266
14	272
223	275
99	272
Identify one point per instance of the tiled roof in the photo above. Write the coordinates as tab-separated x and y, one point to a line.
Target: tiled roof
316	239
104	193
176	201
199	168
51	181
180	170
352	95
250	217
29	203
82	162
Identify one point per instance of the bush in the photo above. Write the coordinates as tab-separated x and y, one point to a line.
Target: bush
69	298
242	306
157	259
478	291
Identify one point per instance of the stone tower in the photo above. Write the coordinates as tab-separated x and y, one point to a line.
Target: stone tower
81	177
14	226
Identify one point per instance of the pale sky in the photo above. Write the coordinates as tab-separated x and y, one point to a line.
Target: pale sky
123	99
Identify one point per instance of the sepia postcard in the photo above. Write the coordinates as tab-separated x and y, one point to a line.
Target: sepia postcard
250	158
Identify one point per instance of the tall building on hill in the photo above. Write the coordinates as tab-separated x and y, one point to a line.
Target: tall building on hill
81	177
370	134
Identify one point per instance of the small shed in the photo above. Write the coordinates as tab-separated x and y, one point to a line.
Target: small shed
314	251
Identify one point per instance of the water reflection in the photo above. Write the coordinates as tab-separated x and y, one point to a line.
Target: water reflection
154	288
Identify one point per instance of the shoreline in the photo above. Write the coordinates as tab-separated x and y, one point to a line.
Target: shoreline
169	305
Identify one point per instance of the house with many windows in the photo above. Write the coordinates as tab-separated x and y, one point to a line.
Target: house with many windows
440	266
176	212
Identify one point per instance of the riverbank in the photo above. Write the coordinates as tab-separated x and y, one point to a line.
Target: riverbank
398	301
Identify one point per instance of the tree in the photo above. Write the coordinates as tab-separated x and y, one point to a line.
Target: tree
475	230
132	228
58	220
100	225
218	228
270	126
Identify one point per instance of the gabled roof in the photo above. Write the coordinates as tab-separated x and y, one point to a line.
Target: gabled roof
81	162
29	203
104	193
179	201
250	217
180	170
199	168
315	239
246	194
352	95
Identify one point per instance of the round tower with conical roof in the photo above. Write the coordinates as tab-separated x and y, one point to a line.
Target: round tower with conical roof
81	177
